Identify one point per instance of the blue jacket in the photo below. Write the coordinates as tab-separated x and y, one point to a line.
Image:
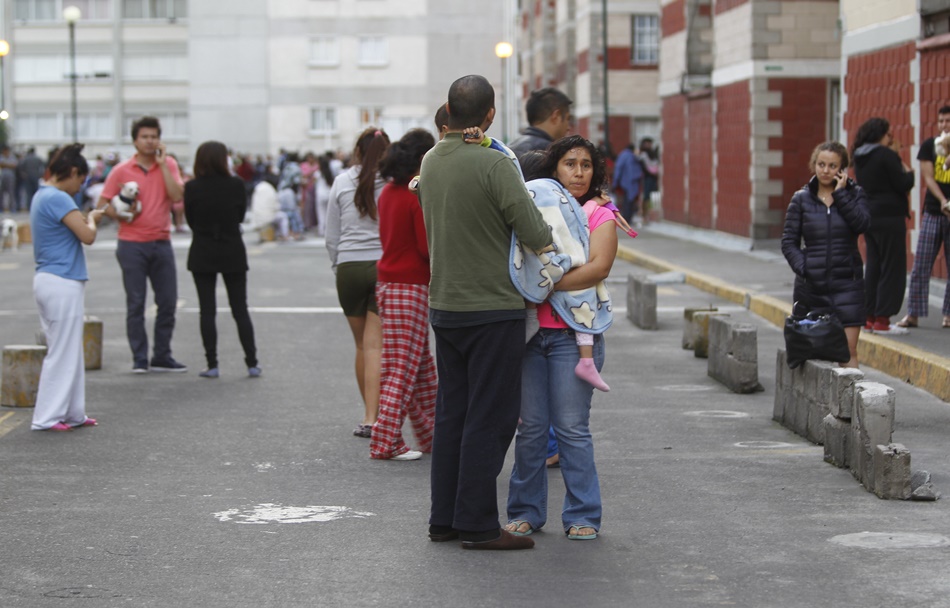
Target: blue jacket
628	173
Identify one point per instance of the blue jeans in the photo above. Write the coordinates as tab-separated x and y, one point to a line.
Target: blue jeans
553	396
143	262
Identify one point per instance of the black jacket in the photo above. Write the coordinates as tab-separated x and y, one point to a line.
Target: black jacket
829	275
882	177
531	138
214	209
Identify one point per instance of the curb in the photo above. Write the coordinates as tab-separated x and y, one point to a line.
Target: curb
908	363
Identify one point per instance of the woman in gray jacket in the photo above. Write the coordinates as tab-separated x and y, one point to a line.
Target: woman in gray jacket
352	238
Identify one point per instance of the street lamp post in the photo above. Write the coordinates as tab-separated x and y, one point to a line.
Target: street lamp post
504	50
4	50
72	14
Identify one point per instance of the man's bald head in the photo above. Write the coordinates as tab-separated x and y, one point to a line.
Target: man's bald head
471	98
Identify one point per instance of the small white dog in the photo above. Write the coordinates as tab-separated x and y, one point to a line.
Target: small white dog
126	203
9	234
942	143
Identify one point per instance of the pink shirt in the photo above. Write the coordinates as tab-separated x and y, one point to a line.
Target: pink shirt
154	223
596	216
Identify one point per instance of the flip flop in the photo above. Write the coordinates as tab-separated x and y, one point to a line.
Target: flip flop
572	533
905	322
946	324
514	525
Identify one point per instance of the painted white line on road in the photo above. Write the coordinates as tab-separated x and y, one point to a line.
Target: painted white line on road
269	513
891	540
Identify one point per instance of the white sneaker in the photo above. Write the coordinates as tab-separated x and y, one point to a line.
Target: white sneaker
893	330
410	455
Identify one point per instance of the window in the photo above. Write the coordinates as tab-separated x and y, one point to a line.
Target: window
324	50
174	124
154	9
371	117
373	51
646	40
155	67
323	120
52	10
58	126
34	69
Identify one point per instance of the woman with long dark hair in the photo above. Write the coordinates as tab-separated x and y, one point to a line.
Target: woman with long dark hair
887	181
820	242
352	239
408	380
553	395
59	232
215	202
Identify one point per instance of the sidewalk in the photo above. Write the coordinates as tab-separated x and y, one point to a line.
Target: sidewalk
722	265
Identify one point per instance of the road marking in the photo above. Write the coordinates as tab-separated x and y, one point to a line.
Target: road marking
6	427
891	540
269	513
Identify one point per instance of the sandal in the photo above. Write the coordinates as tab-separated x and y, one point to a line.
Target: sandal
514	526
906	322
946	323
574	532
363	430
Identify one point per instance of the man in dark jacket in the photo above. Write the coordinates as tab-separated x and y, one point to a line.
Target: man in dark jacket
549	114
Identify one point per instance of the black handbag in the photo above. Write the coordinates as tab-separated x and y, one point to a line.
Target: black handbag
815	336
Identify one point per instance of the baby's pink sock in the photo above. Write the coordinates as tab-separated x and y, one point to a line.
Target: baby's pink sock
587	371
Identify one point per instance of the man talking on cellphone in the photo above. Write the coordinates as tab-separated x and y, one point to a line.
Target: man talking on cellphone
144	250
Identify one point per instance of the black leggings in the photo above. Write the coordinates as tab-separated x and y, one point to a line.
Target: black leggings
236	284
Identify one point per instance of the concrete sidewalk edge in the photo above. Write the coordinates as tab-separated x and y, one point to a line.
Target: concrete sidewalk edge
910	364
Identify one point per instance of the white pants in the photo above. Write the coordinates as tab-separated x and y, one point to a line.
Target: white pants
62	390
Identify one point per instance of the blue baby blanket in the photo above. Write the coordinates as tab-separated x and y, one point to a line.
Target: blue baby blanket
534	274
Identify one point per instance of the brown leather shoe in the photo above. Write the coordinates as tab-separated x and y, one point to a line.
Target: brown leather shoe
506	542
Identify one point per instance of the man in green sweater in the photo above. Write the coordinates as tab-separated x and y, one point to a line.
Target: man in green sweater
472	199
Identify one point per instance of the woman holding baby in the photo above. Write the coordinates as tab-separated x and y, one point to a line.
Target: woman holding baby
553	394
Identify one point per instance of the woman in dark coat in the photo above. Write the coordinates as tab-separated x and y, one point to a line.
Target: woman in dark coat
827	215
215	202
886	180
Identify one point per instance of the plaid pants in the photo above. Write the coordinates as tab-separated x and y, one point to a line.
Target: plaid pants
934	232
408	379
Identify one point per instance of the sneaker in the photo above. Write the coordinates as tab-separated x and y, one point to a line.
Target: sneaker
254	372
140	368
409	455
891	330
209	373
170	366
363	430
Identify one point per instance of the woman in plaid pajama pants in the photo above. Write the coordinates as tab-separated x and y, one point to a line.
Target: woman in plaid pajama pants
408	381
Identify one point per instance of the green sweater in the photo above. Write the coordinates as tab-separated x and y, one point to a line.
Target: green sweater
472	198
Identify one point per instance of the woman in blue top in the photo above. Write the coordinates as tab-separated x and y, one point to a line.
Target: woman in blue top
59	230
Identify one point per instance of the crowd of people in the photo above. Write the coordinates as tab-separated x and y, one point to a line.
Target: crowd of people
826	217
425	235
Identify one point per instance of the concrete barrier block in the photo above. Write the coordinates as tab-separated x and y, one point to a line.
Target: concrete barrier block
701	332
799	422
22	365
92	342
268	234
837	441
815	431
778	405
821	376
641	302
891	471
733	355
24	233
797	381
843	380
872	424
689	329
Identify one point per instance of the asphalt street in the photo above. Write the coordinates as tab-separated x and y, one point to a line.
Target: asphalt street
242	492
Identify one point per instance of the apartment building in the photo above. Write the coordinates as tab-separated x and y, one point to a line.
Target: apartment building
259	75
561	44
